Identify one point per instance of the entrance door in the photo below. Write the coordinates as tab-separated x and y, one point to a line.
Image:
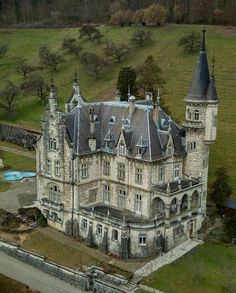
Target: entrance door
191	230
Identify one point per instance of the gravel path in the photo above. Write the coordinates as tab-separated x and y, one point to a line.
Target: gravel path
15	151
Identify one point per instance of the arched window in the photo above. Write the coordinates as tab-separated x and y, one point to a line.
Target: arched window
158	207
54	193
196	115
195	199
189	114
184	202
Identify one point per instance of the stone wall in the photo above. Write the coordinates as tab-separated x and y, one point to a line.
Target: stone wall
94	279
19	135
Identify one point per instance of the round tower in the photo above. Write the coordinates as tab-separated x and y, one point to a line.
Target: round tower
200	120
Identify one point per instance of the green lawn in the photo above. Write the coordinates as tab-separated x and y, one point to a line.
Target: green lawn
14	146
17	162
205	269
8	285
4	186
177	67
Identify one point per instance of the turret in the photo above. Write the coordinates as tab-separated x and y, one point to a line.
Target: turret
52	98
92	138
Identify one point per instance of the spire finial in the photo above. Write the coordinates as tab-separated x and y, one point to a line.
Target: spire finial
129	93
75	75
158	97
52	80
203	43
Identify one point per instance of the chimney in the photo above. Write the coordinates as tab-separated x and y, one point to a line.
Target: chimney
156	107
92	138
117	96
131	105
149	96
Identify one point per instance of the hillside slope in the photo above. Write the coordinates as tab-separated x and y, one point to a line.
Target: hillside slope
177	67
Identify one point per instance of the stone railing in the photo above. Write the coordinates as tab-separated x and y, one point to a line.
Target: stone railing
52	205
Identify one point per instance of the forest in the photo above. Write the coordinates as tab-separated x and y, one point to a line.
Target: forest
53	13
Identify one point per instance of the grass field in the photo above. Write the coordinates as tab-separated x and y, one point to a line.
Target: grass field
205	269
18	162
8	285
177	67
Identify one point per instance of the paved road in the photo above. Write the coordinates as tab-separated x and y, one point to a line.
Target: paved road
32	277
15	151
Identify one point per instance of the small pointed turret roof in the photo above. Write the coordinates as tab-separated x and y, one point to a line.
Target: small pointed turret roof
211	91
201	78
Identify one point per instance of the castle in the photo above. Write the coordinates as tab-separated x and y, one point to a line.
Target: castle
123	175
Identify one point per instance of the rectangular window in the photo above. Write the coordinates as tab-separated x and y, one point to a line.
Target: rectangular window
121	171
138	204
84	224
138	175
142	240
57	168
52	144
176	171
122	199
84	171
106	168
49	166
106	194
92	195
99	229
161	174
122	149
115	235
192	146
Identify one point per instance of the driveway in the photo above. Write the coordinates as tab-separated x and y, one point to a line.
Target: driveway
32	277
20	194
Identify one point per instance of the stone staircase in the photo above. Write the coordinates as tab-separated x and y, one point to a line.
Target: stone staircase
204	233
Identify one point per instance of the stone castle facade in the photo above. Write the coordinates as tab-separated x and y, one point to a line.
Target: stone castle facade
123	175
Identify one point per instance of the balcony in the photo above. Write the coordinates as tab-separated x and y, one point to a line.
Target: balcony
52	205
193	124
176	186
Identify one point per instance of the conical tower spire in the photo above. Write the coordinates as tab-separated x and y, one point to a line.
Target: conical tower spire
211	91
200	82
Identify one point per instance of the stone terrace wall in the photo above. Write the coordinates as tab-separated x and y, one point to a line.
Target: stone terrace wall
93	279
77	279
19	135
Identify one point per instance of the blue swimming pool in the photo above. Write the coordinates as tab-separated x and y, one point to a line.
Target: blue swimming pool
17	175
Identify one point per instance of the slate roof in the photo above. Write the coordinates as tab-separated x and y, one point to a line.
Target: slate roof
112	119
203	86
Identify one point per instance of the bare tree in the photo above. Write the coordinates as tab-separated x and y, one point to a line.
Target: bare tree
190	43
38	87
141	37
95	65
49	59
139	17
116	51
121	18
23	67
10	98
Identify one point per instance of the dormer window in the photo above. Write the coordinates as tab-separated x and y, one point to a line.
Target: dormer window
169	150
112	120
75	103
122	151
141	146
109	139
196	115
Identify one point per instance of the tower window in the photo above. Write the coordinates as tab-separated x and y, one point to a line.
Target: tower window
176	171
49	166
138	204
142	240
106	194
115	235
57	168
52	144
161	174
106	168
196	115
139	175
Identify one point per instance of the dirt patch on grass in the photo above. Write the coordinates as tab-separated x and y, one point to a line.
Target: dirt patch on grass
226	31
107	95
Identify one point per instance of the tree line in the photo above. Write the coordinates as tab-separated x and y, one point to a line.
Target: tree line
77	12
